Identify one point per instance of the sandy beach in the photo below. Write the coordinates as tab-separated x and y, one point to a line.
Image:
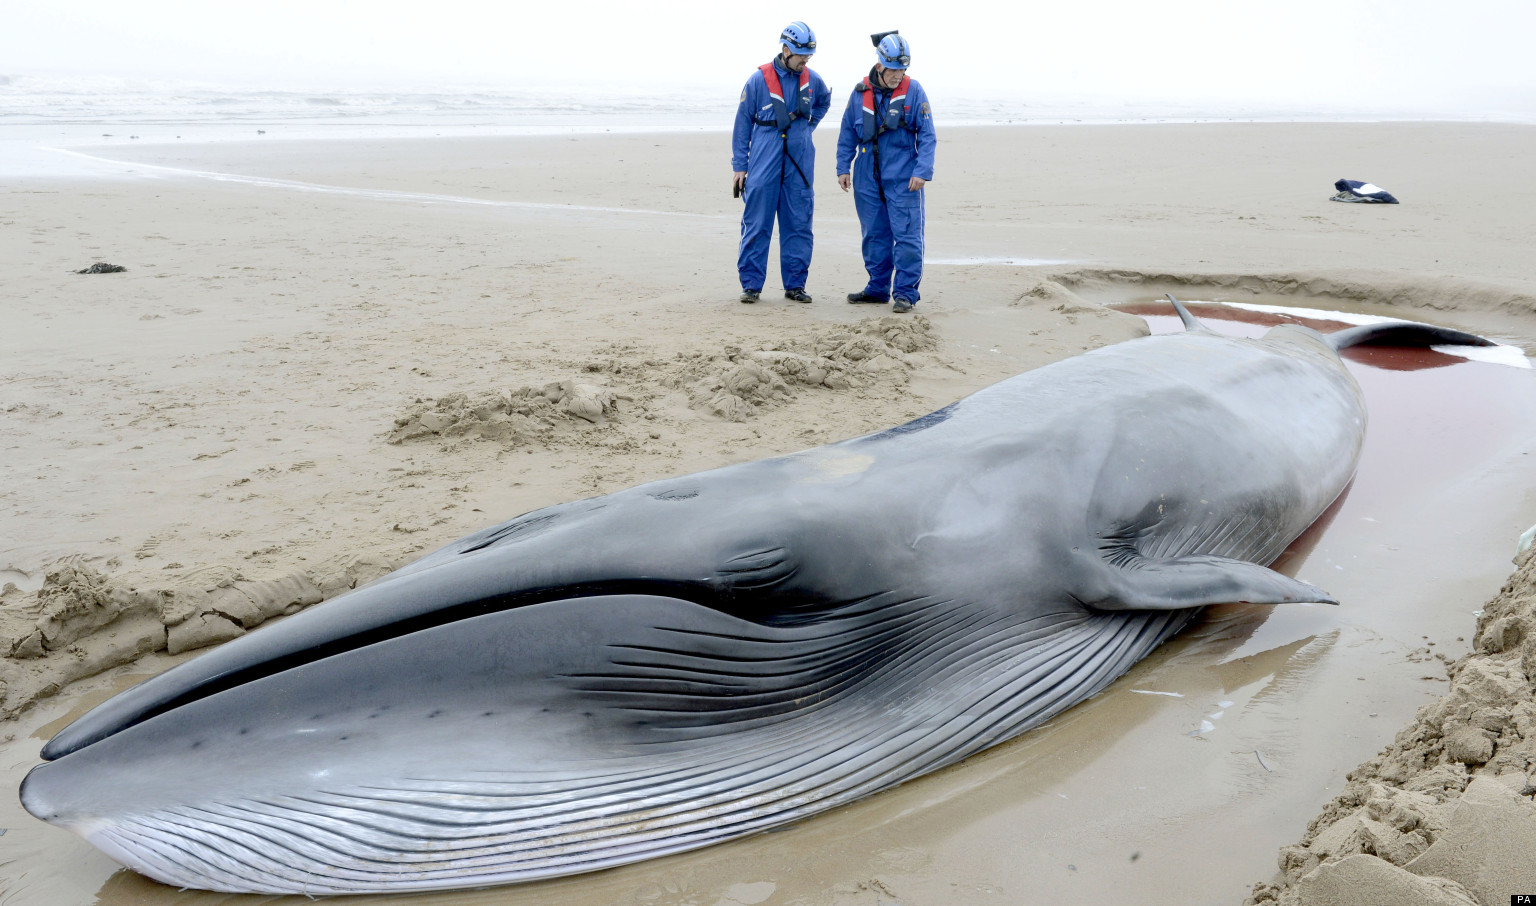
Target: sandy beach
327	358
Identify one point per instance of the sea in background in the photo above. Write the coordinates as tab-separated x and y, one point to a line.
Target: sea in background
43	117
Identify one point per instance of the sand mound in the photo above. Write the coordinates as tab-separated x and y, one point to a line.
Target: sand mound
83	621
733	383
525	415
736	384
1449	802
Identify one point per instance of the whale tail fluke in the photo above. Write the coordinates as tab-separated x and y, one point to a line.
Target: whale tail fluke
1404	333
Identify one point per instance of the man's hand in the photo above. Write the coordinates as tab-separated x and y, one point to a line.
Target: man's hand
845	180
740	181
915	183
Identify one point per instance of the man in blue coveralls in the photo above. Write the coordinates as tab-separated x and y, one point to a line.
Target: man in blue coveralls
772	156
887	141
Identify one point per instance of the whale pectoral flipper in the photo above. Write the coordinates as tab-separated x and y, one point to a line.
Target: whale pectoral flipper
1148	584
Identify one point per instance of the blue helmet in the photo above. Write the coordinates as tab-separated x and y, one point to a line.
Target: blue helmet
894	52
799	37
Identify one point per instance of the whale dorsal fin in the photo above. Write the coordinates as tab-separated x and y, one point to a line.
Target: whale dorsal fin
1144	583
1190	321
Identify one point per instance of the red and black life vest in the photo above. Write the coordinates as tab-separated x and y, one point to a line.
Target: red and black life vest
782	115
895	111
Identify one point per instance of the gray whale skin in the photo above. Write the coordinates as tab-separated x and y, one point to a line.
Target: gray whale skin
704	657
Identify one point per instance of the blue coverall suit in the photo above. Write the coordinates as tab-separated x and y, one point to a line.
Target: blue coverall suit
890	217
775	187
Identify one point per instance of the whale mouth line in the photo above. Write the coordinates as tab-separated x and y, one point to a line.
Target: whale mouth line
721	600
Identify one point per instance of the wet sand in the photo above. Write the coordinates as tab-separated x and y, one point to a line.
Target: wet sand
216	423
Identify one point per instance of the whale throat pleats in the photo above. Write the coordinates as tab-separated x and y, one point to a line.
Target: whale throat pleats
956	683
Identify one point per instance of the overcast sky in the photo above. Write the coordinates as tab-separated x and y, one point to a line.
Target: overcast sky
1408	54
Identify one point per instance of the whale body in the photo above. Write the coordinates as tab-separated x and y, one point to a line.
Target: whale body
704	657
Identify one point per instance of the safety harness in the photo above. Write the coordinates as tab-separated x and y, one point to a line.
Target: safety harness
895	111
781	112
782	115
894	118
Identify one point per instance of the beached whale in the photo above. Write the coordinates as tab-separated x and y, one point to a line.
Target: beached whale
703	657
